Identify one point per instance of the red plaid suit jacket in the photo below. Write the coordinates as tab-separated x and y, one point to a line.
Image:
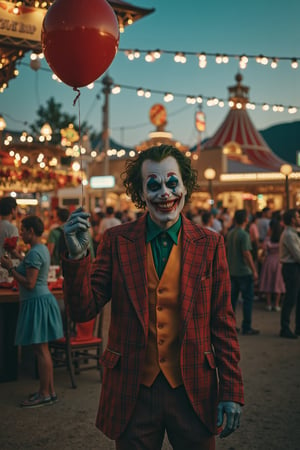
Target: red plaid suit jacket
209	346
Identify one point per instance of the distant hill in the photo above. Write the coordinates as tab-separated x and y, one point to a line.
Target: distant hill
284	140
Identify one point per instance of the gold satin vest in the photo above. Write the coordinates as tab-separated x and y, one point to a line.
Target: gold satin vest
163	352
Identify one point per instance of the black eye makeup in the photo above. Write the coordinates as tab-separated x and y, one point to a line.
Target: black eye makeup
153	185
171	184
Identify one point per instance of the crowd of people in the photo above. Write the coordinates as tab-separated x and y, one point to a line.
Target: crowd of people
260	258
263	254
181	348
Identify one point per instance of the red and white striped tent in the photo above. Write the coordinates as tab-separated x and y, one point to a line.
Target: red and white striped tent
237	130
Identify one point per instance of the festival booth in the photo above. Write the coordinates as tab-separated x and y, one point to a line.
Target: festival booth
69	43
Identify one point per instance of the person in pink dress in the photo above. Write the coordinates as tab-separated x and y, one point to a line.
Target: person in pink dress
271	282
254	236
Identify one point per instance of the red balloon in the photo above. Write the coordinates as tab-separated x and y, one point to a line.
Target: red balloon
80	39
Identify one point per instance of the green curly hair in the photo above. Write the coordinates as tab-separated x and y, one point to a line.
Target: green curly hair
132	176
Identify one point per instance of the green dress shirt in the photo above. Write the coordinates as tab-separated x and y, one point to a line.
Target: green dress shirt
161	242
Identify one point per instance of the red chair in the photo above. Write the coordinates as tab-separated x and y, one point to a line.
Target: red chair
81	344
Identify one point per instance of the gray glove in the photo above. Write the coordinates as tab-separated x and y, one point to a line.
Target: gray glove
232	411
77	234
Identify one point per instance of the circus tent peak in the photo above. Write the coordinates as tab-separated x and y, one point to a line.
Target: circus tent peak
239	138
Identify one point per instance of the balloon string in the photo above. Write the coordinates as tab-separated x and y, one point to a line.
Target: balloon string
77	99
77	96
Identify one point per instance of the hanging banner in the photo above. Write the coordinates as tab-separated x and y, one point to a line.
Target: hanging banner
26	24
200	121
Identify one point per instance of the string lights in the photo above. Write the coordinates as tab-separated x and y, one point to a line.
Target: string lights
210	101
200	99
181	57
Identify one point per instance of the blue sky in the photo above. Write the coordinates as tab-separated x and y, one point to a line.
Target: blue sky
232	27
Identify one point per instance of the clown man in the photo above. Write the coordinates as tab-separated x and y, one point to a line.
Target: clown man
171	361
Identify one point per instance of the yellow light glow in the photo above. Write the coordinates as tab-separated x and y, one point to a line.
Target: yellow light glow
27	201
46	130
294	64
168	97
262	176
116	90
286	169
209	173
2	123
76	166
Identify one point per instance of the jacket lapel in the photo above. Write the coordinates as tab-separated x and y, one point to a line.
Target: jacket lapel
193	266
133	263
132	252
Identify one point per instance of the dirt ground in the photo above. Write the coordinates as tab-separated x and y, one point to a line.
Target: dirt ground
270	419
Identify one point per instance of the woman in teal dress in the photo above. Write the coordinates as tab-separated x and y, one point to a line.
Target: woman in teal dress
39	318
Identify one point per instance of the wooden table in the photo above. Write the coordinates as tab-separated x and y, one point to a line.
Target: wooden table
10	296
9	310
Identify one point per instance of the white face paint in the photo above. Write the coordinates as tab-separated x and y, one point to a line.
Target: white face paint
163	191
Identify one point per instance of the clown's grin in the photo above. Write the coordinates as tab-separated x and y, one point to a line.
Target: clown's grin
166	206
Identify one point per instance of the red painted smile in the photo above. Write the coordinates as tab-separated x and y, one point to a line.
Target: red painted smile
166	207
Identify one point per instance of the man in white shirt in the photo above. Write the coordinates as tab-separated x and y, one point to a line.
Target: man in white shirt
289	253
263	223
217	224
8	212
208	220
109	220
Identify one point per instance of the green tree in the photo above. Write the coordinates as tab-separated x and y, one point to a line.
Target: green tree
52	113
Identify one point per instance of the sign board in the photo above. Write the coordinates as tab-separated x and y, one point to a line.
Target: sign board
25	26
158	114
70	201
102	182
200	121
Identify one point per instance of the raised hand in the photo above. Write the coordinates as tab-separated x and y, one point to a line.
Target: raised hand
232	412
77	234
6	262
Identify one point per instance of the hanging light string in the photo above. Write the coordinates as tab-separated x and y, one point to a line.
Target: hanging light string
200	99
180	57
191	99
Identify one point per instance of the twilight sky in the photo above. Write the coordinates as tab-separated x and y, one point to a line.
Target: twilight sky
259	27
